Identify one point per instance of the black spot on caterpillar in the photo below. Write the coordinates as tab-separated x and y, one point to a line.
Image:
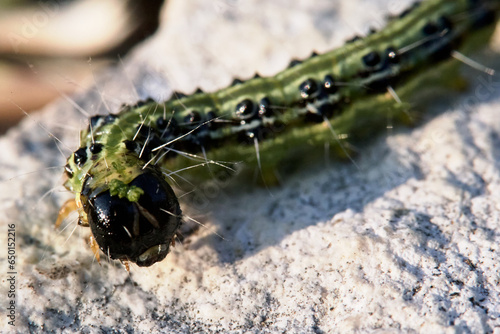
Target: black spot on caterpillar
120	156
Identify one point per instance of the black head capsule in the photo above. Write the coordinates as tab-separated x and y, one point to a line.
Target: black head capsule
140	229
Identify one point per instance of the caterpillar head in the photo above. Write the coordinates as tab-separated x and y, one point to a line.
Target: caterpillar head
133	222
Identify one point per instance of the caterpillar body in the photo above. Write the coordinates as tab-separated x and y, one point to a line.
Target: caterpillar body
118	174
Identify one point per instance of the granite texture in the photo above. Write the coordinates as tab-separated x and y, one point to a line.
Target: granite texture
406	241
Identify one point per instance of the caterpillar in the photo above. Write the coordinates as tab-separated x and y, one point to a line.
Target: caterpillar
119	173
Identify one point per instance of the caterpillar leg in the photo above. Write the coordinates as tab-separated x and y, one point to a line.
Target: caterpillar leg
95	248
126	265
68	207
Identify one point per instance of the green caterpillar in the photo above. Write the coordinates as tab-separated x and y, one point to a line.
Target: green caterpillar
122	191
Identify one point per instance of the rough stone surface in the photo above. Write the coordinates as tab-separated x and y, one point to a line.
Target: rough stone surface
407	242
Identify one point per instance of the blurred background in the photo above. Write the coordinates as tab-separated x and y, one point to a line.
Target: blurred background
53	47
